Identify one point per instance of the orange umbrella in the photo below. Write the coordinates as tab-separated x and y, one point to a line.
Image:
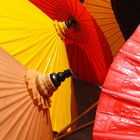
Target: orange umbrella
88	51
102	11
118	112
25	100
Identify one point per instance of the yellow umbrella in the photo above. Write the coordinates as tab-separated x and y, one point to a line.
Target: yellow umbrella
36	41
102	11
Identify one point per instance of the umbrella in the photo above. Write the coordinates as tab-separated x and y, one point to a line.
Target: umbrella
118	109
25	100
102	11
36	41
127	15
88	51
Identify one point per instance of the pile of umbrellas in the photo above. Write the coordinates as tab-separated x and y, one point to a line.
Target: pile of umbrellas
40	41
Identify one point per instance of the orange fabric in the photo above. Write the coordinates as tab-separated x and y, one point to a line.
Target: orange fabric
20	118
40	88
102	11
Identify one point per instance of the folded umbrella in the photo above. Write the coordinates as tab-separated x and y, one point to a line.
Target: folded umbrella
118	111
36	41
25	100
88	51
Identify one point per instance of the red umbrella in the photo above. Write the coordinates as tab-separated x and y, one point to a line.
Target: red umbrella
25	100
118	112
88	51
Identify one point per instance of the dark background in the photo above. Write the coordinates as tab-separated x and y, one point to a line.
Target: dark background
86	95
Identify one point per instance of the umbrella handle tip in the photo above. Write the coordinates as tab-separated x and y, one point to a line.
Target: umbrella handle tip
59	77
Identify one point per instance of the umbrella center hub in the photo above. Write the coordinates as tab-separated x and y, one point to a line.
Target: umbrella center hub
40	88
72	22
61	29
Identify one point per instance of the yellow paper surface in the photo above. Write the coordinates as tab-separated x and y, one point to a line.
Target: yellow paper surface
30	36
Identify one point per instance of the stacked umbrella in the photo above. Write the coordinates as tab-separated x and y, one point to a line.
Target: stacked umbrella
36	41
88	51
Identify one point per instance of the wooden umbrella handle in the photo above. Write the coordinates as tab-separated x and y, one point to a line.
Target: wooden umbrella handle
75	130
77	118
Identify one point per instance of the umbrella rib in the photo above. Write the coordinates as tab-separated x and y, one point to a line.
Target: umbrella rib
15	101
28	111
52	55
14	122
96	5
110	29
115	41
31	118
37	51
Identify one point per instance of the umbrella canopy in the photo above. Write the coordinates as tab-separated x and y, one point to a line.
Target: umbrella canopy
88	51
102	11
127	14
36	41
25	100
118	110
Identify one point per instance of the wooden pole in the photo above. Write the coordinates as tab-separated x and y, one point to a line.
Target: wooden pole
77	118
75	130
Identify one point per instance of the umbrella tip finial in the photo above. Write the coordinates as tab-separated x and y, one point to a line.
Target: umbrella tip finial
59	77
70	22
